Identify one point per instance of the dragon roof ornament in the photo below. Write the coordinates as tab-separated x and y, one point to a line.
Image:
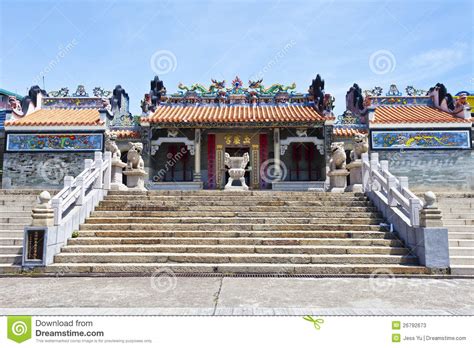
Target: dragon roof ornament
237	88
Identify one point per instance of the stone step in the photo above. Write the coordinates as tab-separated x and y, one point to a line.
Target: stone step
458	216
228	220
12	227
235	249
240	199
244	214
456	202
15	213
460	229
182	208
458	222
10	250
14	204
11	234
234	241
462	270
461	243
153	268
15	220
461	251
461	260
10	241
10	259
206	203
140	257
7	268
237	234
461	235
219	193
231	227
456	209
8	208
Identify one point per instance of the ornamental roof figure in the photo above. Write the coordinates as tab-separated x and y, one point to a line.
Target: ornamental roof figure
197	101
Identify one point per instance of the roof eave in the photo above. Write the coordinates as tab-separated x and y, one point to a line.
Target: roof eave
421	125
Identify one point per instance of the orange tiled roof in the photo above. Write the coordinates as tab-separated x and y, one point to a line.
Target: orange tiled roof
234	114
125	134
414	114
348	132
59	117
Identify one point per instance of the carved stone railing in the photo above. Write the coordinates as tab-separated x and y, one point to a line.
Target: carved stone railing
68	208
418	224
377	177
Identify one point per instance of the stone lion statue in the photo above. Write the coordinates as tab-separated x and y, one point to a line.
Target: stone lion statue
338	156
111	146
360	146
134	156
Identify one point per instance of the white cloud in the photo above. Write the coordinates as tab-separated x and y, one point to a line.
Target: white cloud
440	58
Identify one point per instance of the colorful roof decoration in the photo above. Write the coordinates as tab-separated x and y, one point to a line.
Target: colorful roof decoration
254	95
403	114
235	114
59	117
59	108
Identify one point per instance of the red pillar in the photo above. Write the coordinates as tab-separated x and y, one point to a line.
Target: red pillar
211	161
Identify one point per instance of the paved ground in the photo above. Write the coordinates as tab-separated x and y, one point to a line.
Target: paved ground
236	296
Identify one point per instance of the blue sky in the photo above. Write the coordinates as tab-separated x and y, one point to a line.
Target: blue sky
104	43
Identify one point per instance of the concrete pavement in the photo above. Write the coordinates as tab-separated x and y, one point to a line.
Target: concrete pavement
162	295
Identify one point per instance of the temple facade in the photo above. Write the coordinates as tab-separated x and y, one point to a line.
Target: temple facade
186	136
287	135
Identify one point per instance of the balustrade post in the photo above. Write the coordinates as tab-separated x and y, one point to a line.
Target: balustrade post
99	180
88	163
365	173
403	183
415	208
391	185
374	161
384	168
82	190
57	205
107	174
68	181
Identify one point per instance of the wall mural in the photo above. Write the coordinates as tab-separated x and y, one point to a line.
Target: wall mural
54	142
386	140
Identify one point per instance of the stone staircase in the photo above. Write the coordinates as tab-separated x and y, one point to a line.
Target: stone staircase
15	214
458	217
240	232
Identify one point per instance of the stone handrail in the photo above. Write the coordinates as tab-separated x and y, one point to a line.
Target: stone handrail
55	220
377	177
96	175
418	225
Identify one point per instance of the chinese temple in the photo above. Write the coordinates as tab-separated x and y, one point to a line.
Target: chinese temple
286	134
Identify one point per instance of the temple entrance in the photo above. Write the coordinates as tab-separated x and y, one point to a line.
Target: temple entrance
239	152
236	144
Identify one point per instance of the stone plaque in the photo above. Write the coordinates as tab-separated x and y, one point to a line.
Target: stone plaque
35	245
